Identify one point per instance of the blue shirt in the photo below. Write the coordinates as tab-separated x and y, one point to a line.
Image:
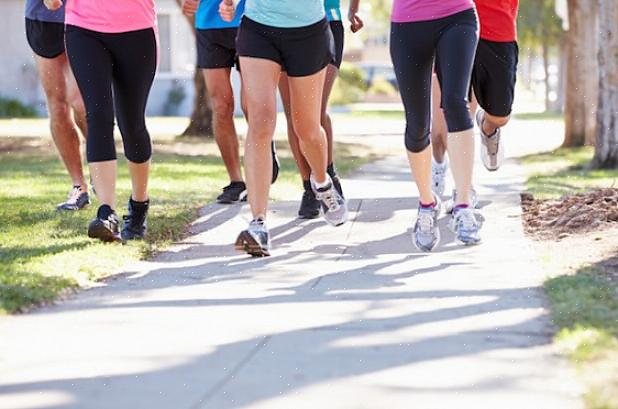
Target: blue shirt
333	10
208	17
285	13
36	10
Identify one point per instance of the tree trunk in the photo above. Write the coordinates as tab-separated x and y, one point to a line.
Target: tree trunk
606	147
545	53
581	64
200	123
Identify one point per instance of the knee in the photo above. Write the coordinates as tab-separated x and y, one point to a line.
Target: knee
307	130
457	113
137	144
417	139
222	106
497	121
262	121
58	107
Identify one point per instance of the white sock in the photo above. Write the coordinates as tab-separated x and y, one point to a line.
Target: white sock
323	184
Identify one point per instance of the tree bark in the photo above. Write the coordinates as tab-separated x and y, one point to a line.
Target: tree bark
545	54
200	123
582	63
606	147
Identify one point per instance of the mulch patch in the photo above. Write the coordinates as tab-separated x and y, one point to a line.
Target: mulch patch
556	219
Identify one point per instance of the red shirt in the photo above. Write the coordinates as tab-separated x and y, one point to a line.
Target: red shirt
498	19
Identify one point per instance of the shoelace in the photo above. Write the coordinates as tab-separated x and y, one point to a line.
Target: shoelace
425	221
330	200
466	220
74	194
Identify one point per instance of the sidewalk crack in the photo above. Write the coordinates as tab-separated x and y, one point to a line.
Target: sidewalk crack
229	377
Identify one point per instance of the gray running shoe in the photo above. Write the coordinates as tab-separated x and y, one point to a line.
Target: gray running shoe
492	150
450	204
333	207
254	241
77	200
466	226
426	235
438	176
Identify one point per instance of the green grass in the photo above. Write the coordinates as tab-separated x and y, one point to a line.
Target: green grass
539	116
585	310
565	171
44	253
584	305
376	114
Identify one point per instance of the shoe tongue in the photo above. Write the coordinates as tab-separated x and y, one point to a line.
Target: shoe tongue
104	212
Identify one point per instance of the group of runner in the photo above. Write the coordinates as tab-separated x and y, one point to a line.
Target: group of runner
292	46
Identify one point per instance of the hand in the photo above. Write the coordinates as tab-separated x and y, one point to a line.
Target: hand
53	4
189	7
227	10
356	23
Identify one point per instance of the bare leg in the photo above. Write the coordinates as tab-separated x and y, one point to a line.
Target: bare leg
104	180
306	101
301	162
63	129
461	155
331	76
439	129
139	180
260	79
492	123
420	164
222	98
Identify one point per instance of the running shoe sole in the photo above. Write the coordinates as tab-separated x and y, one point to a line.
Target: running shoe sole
97	230
246	243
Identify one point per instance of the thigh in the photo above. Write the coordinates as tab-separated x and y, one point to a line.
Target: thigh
259	81
91	64
52	75
412	52
306	97
456	50
218	83
135	62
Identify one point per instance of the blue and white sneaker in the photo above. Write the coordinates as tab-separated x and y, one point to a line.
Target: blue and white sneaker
334	208
466	226
255	240
426	234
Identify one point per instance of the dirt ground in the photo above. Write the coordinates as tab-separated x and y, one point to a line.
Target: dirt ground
575	230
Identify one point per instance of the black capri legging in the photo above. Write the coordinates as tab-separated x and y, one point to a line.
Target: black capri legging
414	47
122	62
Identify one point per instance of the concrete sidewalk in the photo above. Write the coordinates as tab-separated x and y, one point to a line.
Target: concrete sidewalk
346	318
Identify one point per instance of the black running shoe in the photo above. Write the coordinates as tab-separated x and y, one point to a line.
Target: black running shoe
105	226
135	222
233	193
276	163
309	206
77	200
254	241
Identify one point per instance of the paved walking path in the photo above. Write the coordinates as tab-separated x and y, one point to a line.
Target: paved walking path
346	318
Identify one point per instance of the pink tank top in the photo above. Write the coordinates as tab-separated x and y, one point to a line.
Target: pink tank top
406	11
111	16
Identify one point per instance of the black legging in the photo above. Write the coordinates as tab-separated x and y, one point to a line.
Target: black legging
126	63
414	47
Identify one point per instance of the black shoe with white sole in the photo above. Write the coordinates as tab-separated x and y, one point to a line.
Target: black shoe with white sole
233	193
254	241
105	226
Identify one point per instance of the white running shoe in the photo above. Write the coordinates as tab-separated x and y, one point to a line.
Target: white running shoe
466	226
255	240
438	176
333	206
426	234
492	149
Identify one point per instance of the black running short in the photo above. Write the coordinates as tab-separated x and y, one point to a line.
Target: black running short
338	35
216	48
301	51
494	76
46	39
